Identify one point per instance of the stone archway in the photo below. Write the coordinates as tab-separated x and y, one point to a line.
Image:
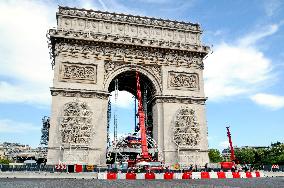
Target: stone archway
91	48
127	82
116	68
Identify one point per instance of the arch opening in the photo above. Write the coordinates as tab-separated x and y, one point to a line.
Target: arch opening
126	81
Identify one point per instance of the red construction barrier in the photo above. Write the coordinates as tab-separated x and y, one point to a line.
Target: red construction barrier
149	176
236	175
248	175
130	176
205	175
186	175
168	176
78	168
111	176
60	167
221	174
257	174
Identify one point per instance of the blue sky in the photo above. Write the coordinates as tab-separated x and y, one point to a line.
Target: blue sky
244	75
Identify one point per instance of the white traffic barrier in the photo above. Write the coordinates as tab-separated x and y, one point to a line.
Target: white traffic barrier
196	175
60	166
140	176
213	175
178	176
121	176
228	174
243	175
159	176
102	175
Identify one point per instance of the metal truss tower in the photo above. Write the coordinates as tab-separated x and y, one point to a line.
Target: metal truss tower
115	109
45	131
108	122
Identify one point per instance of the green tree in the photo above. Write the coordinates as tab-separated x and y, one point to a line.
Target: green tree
215	156
245	155
260	155
5	161
275	154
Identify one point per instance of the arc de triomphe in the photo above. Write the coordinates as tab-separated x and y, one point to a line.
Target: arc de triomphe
90	49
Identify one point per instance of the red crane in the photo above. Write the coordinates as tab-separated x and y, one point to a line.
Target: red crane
233	158
229	164
145	154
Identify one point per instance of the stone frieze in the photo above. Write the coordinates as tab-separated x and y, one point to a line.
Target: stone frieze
183	80
123	18
127	54
123	29
125	39
75	72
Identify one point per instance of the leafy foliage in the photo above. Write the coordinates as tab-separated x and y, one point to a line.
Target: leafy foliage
5	161
245	156
258	157
215	156
271	155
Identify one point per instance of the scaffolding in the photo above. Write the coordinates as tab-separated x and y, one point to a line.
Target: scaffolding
115	109
108	122
145	107
45	131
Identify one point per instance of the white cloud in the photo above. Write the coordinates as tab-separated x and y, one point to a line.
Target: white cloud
238	69
10	126
271	101
124	99
224	144
254	37
271	7
24	93
25	73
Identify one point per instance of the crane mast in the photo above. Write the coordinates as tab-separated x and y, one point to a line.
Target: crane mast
233	158
145	154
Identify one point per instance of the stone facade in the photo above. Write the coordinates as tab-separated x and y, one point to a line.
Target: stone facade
90	48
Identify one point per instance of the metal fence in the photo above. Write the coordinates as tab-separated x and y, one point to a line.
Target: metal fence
270	168
12	168
72	168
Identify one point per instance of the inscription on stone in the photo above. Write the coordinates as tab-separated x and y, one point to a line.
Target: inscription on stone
78	72
182	80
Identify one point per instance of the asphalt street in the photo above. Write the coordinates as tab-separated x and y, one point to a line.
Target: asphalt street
276	182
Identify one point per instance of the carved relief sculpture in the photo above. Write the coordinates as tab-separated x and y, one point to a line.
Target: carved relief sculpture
78	72
177	80
75	124
186	129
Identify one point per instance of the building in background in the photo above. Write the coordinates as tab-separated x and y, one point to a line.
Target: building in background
20	152
226	153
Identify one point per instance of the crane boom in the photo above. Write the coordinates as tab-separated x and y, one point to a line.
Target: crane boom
233	158
141	114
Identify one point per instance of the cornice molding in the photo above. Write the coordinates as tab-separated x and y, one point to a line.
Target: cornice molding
68	92
126	53
126	18
126	40
178	99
